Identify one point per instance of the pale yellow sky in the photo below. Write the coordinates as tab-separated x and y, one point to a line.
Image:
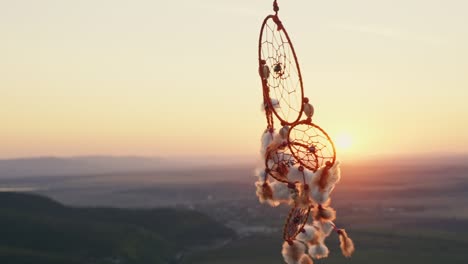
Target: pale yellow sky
172	78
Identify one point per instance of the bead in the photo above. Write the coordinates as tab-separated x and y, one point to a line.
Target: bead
312	149
308	110
277	68
265	72
284	131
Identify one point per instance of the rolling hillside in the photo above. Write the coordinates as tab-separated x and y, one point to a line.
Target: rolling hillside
35	229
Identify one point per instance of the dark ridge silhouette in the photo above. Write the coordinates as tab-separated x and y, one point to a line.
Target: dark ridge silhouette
36	229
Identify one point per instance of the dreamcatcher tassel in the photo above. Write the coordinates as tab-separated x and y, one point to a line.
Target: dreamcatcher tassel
318	251
300	156
308	234
324	213
346	244
264	191
293	251
305	259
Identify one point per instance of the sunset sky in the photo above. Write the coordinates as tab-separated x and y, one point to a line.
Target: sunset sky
170	78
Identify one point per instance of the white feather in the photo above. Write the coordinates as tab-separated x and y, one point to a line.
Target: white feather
280	191
275	103
293	253
305	259
317	195
326	227
294	174
267	138
318	251
260	174
273	145
308	234
334	174
309	176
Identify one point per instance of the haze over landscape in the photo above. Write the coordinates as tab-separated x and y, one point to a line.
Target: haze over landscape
410	213
130	130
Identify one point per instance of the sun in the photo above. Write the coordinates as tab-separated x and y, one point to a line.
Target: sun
344	141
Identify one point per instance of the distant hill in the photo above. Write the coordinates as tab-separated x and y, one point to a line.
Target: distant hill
36	229
94	165
52	166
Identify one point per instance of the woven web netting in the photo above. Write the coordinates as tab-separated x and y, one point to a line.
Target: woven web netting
297	218
281	72
278	163
311	145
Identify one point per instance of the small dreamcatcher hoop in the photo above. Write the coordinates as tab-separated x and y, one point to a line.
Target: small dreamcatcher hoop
295	222
278	161
300	158
311	145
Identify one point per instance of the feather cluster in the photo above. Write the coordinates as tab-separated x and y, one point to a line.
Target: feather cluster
346	244
284	181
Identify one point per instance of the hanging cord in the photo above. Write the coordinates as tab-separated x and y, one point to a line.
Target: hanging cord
275	7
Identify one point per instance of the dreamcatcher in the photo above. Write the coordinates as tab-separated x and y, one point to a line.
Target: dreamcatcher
300	159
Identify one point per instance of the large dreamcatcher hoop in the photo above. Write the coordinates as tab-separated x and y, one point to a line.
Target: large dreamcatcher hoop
280	72
300	158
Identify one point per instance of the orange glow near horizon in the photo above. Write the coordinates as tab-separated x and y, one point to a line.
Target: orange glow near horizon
162	78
